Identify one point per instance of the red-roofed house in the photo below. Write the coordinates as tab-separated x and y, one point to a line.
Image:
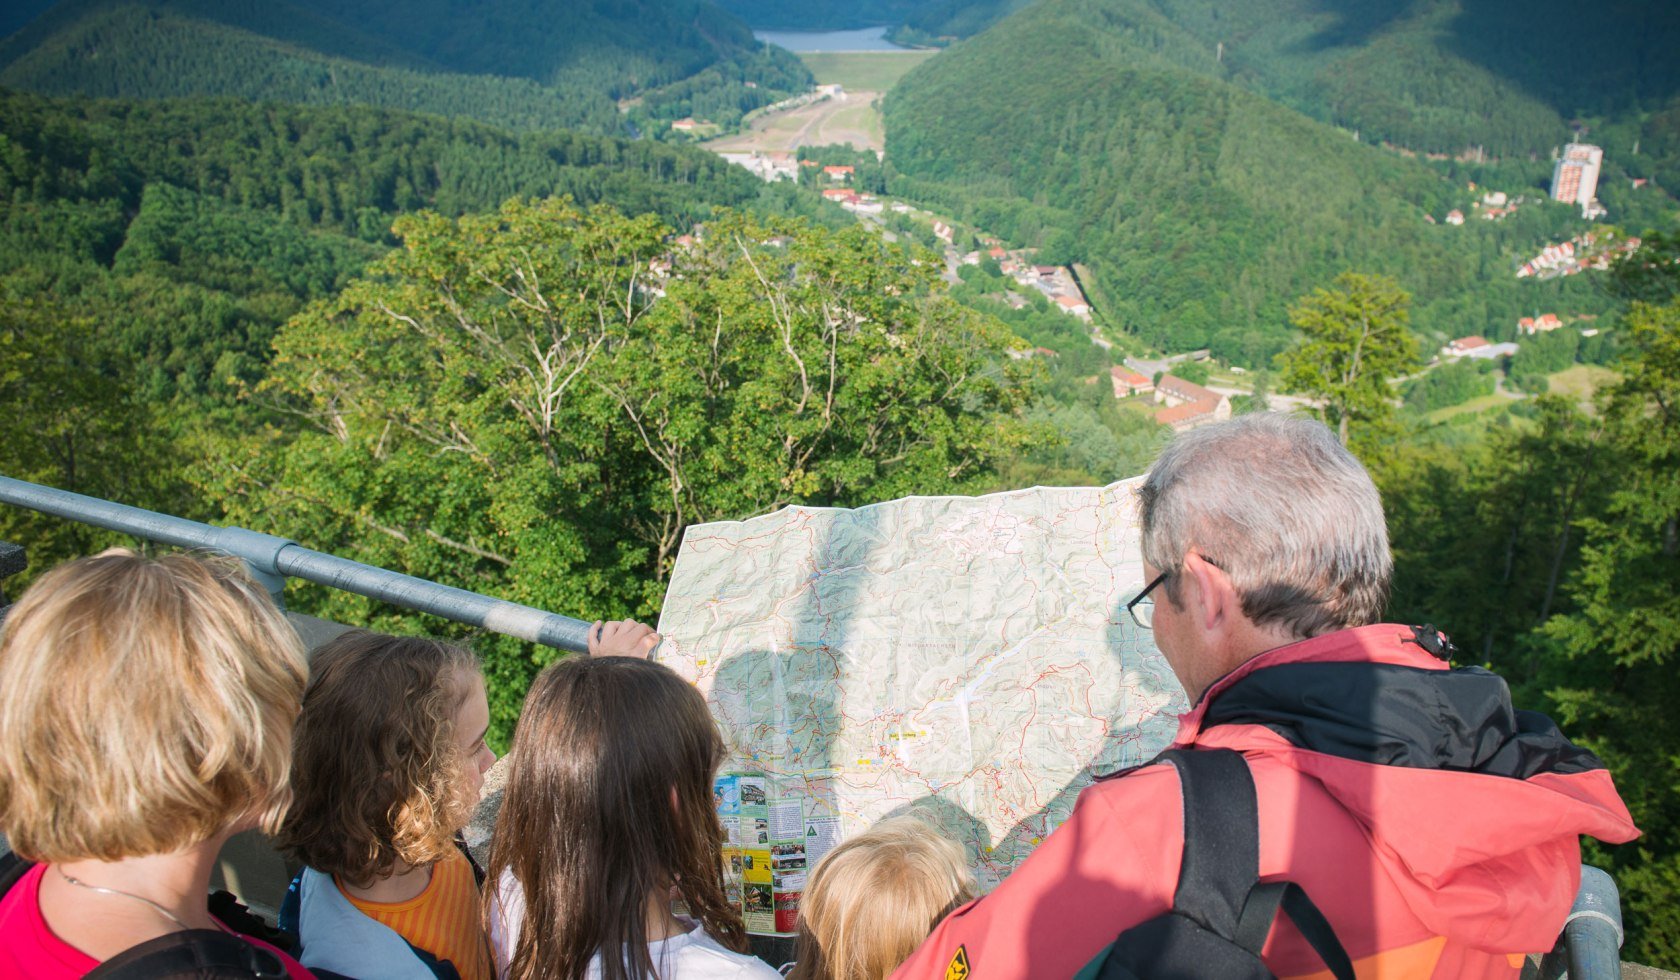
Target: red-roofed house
684	125
1189	404
841	194
1464	345
1129	382
1074	305
838	173
1544	323
996	253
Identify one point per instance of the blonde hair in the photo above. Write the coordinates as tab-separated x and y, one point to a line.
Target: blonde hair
871	901
148	706
376	769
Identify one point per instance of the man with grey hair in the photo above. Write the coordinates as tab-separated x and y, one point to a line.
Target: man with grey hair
1271	512
1434	826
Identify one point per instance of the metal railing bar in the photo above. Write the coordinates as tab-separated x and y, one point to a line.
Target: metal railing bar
272	560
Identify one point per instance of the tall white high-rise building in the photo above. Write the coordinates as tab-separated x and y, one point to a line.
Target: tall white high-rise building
1575	178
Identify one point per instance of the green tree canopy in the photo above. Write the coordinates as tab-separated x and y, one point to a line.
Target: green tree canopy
1612	672
535	403
1354	340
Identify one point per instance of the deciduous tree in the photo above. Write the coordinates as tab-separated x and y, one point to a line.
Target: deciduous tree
537	402
1355	339
1616	650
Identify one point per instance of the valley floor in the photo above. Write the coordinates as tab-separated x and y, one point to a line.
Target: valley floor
850	118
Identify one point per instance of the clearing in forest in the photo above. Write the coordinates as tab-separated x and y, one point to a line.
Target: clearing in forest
865	71
854	118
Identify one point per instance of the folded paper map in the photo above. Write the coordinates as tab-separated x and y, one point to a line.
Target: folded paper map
968	659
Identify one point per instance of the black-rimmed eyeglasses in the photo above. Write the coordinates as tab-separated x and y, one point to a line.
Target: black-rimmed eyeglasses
1142	607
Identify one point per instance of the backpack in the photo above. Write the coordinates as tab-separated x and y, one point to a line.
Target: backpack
196	954
1221	912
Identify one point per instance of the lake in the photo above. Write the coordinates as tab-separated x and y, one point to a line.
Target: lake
868	39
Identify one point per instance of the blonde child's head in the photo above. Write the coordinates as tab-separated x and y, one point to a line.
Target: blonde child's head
148	707
388	757
871	901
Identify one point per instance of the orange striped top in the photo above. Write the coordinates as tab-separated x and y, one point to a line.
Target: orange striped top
442	919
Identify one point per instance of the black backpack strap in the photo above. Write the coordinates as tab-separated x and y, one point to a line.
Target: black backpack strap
12	870
197	954
1221	837
1315	929
1262	909
236	915
472	862
1222	851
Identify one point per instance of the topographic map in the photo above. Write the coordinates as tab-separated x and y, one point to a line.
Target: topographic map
966	658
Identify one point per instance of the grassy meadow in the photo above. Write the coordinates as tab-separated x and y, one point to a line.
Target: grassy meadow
863	71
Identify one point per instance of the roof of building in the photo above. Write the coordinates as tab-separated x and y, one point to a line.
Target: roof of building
1470	343
1186	411
1071	301
1127	377
1187	390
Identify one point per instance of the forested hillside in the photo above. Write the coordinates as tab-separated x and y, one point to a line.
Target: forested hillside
152	255
944	21
819	15
149	250
523	65
1201	206
1450	76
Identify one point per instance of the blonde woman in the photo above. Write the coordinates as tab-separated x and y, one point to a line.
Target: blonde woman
147	717
872	900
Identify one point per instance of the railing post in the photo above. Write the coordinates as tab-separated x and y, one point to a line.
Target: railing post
1591	945
261	554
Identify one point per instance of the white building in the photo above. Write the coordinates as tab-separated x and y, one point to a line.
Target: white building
1575	178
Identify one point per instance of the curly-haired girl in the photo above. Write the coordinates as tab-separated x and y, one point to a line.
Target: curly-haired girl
388	762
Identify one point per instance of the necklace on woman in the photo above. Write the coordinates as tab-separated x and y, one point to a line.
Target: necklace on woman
116	891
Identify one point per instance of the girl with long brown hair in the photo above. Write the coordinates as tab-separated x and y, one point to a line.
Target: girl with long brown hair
608	811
